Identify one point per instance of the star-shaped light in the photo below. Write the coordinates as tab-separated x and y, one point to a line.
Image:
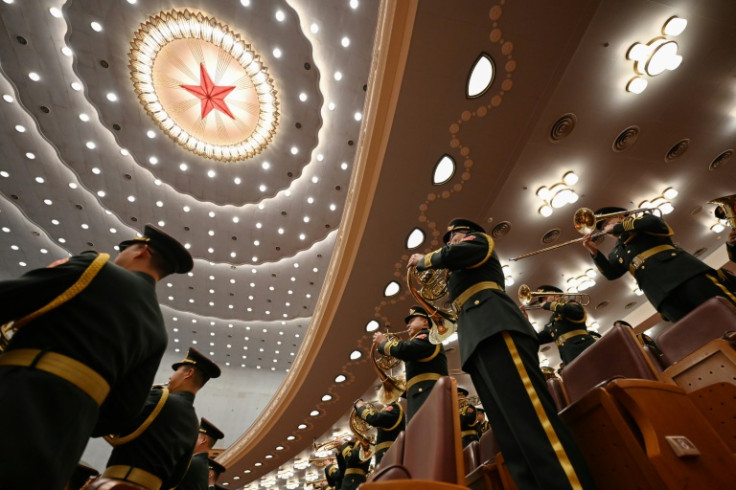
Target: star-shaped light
211	96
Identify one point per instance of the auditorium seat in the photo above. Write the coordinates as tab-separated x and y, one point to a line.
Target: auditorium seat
554	385
616	354
471	456
717	403
432	455
109	484
391	465
486	476
707	322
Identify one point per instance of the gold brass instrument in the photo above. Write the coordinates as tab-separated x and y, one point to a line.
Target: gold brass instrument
362	431
321	462
471	400
726	208
584	221
328	445
391	386
430	292
6	333
548	372
526	294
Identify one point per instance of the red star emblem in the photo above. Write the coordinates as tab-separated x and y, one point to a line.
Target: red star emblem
212	96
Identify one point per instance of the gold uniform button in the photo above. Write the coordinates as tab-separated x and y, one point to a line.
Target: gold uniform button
476	302
419	390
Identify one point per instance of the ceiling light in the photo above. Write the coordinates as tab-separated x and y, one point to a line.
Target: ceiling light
663	57
391	289
545	210
276	53
314	413
183	167
76	86
315	179
301	426
674	26
131	198
481	76
280	16
30	156
237	180
84	117
20	129
211	174
345	41
153	160
124	152
55	12
717	228
355	355
636	85
570	178
443	170
338	76
96	171
354	4
151	133
8	98
670	193
372	326
344	165
66	51
333	207
111	97
96	26
415	238
34	76
48	202
357	116
91	145
72	185
303	97
245	3
331	106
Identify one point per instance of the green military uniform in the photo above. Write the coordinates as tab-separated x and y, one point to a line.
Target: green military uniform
355	468
566	327
674	281
114	327
499	349
168	434
217	469
389	422
424	363
481	427
332	474
197	476
468	419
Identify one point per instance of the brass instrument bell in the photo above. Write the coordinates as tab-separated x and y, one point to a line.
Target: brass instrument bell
726	209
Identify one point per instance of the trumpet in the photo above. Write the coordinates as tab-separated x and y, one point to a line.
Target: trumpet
328	445
321	462
525	297
584	220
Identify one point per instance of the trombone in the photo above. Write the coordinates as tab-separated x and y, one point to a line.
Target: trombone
584	221
526	294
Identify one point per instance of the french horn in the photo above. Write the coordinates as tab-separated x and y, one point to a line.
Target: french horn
429	288
391	386
362	431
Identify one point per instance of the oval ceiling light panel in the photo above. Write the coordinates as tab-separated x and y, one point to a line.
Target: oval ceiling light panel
416	238
391	288
481	76
372	326
443	170
204	85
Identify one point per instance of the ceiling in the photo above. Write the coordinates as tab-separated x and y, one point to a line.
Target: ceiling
294	246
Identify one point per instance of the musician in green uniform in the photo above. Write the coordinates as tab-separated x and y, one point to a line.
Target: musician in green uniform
85	365
499	349
731	245
482	426
566	327
674	281
215	470
424	362
332	475
156	451
468	418
357	463
388	420
197	475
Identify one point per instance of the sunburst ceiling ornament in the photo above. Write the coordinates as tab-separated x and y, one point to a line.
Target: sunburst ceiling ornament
203	85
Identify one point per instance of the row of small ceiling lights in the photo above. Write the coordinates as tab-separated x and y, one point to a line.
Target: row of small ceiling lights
153	160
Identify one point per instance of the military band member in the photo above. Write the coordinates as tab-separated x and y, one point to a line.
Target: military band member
731	245
499	349
356	468
197	475
644	339
82	368
566	327
674	281
424	362
332	474
215	470
388	420
155	452
468	418
482	426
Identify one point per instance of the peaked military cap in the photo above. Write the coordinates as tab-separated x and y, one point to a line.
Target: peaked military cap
207	427
215	466
167	246
462	391
416	310
607	210
461	224
480	408
195	358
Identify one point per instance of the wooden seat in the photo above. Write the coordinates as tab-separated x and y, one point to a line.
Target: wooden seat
391	465
554	385
716	402
616	354
432	454
471	456
705	323
486	476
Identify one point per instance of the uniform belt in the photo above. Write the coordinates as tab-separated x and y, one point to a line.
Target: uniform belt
560	341
422	377
73	371
354	471
133	475
639	260
475	288
471	432
383	445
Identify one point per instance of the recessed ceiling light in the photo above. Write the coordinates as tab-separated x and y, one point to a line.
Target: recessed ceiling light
294	150
132	2
55	12
151	133
391	288
314	28
153	161
4	174
245	3
481	76
345	41
303	97
290	438
84	117
67	51
259	225
333	207
354	4
302	236
131	198
48	202
159	204
314	413
76	86
112	97
30	156
338	76
276	53
96	26
237	180
443	170
91	145
20	128
8	98
186	209
344	165
85	226
315	179
72	185
331	106
96	171
183	167
124	152
211	174
355	355
280	16
340	378
34	76
416	238
40	180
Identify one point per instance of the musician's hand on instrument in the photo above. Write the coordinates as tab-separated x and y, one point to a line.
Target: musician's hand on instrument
359	403
589	245
414	260
732	237
379	338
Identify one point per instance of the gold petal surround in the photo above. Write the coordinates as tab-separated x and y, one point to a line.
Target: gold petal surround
204	85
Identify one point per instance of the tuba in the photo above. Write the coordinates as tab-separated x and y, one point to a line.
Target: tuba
726	209
429	288
391	386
